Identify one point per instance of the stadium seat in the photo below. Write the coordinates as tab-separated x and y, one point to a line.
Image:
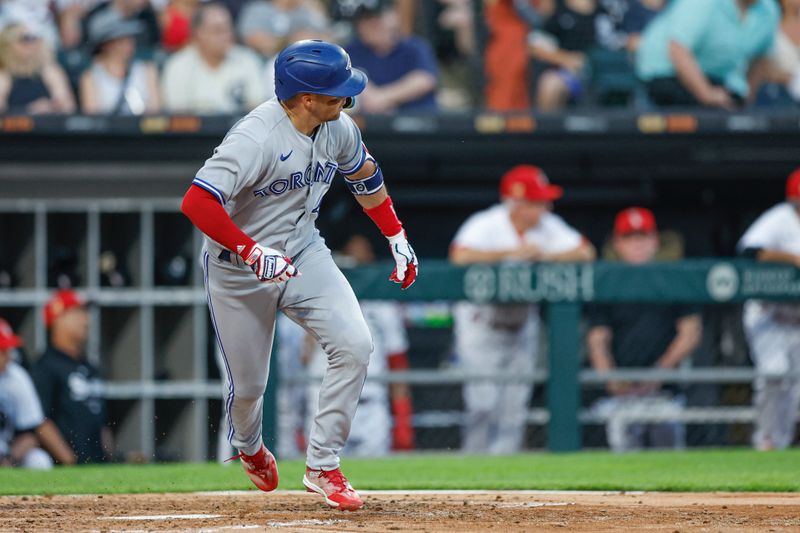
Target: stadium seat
612	77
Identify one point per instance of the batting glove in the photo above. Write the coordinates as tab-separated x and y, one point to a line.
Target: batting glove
406	270
269	265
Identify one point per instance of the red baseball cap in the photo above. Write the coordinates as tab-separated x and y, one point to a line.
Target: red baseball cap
61	301
793	185
7	338
527	182
635	220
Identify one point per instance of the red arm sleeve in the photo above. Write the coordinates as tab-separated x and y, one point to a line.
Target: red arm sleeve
205	212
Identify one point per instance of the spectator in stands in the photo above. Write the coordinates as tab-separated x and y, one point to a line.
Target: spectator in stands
773	328
495	338
176	24
640	335
451	31
621	22
402	71
710	53
116	83
639	15
70	20
786	54
269	65
566	38
266	26
506	57
111	11
234	7
70	387
35	14
30	81
23	427
212	75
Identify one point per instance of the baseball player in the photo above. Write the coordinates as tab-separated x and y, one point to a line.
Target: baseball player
490	338
773	329
640	335
256	200
22	422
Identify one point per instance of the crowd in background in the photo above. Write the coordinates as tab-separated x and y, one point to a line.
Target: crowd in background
206	57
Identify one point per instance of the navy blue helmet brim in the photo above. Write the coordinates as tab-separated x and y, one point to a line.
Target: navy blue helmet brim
352	86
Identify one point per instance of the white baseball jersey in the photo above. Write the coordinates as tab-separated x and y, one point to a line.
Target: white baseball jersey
778	228
773	335
492	338
492	230
20	409
271	178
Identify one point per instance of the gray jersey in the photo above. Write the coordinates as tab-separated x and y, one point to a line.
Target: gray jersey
271	178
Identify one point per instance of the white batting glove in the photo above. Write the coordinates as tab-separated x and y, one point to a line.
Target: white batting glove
269	265
405	271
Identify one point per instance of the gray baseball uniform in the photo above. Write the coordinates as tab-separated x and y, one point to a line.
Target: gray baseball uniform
271	179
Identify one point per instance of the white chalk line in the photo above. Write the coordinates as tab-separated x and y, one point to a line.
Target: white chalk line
164	517
435	492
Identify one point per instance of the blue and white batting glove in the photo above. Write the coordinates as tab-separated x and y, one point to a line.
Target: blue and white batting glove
405	271
269	265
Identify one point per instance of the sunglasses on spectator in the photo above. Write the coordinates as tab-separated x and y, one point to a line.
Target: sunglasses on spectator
28	38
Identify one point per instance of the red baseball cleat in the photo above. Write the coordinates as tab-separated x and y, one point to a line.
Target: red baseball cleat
334	487
261	468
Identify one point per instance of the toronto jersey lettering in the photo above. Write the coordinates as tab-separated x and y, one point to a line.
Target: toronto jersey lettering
270	178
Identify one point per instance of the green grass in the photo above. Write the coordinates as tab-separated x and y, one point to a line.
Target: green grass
707	470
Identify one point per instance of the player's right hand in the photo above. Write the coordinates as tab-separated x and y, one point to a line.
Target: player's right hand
269	265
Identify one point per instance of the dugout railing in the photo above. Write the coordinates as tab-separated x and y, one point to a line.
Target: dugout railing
153	337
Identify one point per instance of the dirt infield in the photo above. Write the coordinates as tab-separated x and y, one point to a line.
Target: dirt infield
408	511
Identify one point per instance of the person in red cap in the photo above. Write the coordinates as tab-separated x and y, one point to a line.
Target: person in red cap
640	335
492	338
69	386
773	329
23	425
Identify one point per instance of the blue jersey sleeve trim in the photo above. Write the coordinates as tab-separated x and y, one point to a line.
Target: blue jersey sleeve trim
360	163
210	188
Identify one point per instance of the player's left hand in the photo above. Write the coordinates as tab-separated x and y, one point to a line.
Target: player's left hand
405	271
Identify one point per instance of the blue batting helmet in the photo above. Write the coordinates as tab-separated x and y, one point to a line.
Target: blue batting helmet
316	67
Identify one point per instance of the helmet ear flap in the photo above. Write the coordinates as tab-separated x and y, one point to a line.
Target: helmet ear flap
350	102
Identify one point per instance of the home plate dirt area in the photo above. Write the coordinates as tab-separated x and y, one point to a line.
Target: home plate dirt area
457	511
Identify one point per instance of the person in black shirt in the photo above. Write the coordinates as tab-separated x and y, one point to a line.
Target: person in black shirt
30	81
69	386
638	335
563	46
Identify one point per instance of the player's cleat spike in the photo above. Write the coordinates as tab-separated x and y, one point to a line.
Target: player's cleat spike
334	487
261	468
